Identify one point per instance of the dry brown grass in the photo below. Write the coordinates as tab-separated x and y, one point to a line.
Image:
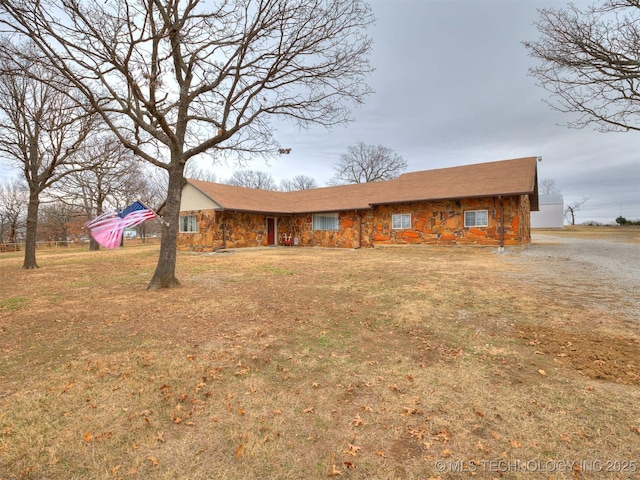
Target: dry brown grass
304	363
620	233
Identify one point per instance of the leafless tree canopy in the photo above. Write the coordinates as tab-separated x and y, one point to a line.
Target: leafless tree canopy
299	182
590	63
252	179
42	127
192	75
13	202
367	163
175	79
548	186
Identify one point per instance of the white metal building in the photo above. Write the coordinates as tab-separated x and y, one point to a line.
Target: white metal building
551	213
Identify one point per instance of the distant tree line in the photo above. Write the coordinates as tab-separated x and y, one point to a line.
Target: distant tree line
105	176
623	221
361	163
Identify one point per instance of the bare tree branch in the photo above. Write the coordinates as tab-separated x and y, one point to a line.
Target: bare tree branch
590	63
367	163
252	179
42	128
299	182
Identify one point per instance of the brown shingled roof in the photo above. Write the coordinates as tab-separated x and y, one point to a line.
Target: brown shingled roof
506	177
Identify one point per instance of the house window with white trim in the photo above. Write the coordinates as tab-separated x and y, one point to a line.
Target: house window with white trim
476	218
188	224
400	221
325	221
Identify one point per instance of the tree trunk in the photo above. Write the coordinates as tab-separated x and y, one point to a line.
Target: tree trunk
30	238
164	276
93	245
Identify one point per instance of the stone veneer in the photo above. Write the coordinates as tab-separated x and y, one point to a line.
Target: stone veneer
432	223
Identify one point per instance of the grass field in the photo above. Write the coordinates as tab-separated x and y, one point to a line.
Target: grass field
309	363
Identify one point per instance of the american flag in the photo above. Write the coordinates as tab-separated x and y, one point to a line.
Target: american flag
107	229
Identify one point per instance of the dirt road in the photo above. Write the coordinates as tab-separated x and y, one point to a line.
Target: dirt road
600	271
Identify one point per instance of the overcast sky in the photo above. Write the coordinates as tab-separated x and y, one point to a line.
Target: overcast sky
452	88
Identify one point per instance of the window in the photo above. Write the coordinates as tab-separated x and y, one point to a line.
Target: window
188	224
401	220
476	218
325	221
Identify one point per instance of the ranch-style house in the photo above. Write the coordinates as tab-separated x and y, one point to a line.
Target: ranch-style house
483	204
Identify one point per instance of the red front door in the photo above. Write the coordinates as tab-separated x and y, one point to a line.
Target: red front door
271	231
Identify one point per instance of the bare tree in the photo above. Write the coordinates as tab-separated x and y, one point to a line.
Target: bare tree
367	163
13	201
59	221
112	182
252	179
41	128
571	209
175	79
590	63
548	186
197	172
299	182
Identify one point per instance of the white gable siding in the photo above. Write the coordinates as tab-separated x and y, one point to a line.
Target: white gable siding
193	199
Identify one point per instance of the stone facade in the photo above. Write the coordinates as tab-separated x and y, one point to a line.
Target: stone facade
432	223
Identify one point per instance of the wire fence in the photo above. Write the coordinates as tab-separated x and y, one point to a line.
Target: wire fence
75	244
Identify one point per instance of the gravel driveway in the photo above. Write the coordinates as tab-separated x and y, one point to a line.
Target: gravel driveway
603	273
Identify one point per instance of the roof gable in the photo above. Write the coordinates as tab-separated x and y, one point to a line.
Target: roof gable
506	177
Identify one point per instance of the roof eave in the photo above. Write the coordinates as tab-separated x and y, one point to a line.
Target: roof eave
432	199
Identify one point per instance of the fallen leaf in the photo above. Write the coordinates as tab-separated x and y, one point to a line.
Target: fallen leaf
542	372
446	453
443	435
308	410
565	438
153	460
115	469
334	470
88	436
240	411
380	453
277	411
356	422
239	450
515	443
353	450
160	437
